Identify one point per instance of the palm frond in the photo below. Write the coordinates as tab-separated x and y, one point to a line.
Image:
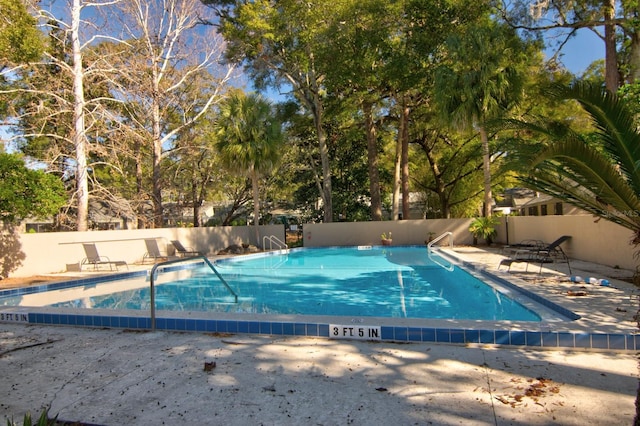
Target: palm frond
567	193
577	173
594	171
597	172
615	124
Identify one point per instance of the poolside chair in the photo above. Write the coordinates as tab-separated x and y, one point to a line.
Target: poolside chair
153	251
185	251
93	258
544	254
523	245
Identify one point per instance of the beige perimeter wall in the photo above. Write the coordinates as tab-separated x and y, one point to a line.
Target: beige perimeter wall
50	252
592	240
600	242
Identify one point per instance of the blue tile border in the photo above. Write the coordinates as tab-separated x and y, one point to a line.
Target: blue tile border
72	283
529	294
408	334
91	281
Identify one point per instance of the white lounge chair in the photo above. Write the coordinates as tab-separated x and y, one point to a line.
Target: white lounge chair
93	258
153	251
185	251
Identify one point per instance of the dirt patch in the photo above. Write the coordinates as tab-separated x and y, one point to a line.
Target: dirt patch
17	282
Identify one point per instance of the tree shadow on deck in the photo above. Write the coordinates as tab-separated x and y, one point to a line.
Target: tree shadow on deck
11	255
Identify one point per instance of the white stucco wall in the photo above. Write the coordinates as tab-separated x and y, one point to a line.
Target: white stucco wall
596	241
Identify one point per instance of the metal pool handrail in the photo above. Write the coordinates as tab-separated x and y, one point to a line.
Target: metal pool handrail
430	247
172	261
435	240
272	239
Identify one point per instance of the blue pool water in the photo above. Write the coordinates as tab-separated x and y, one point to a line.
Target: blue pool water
398	282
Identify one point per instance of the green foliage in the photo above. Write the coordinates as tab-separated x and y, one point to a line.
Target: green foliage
631	94
249	136
20	40
451	172
484	227
43	420
596	171
25	192
481	78
481	74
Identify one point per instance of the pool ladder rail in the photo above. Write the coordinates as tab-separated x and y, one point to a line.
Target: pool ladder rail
154	271
273	240
441	237
431	247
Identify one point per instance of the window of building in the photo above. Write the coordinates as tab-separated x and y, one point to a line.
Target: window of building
39	227
543	210
557	210
533	211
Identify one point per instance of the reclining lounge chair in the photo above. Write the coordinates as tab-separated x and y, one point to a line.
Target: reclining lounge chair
153	251
523	245
185	251
543	254
93	258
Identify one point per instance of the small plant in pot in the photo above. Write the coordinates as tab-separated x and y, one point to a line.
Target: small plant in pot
485	228
386	241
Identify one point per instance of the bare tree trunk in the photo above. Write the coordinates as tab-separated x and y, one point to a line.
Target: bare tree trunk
372	157
486	168
326	174
612	76
256	205
157	151
197	220
195	197
397	180
634	52
405	163
139	186
634	58
317	109
401	141
79	136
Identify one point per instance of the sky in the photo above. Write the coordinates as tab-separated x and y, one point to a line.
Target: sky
581	51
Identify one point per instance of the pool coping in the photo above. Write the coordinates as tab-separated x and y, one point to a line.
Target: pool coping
579	333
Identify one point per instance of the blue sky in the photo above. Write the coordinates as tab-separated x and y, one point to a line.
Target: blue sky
581	51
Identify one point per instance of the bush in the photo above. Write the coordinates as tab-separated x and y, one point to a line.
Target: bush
485	228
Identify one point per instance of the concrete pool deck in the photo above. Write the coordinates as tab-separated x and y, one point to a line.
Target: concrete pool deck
112	377
605	309
115	377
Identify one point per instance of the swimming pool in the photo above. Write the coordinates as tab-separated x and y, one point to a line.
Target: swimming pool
397	282
407	274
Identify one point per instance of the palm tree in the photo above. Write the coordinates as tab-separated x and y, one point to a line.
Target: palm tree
478	81
249	138
598	172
